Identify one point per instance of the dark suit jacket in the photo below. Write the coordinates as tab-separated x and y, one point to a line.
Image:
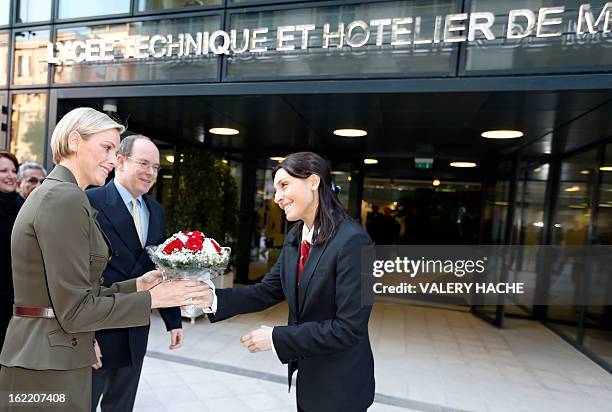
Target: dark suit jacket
327	333
121	347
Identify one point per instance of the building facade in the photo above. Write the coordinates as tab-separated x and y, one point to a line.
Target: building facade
423	79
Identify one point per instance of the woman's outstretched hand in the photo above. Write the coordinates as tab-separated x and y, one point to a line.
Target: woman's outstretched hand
258	340
180	293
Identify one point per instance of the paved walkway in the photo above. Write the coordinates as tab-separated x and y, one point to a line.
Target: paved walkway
426	359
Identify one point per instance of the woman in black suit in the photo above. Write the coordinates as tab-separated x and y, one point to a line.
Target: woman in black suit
319	274
10	202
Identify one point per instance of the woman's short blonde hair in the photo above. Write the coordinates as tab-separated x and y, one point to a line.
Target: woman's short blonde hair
84	120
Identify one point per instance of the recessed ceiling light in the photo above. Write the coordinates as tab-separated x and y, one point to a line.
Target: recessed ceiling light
585	172
170	158
573	189
277	158
350	132
224	131
502	134
463	164
606	168
436	182
538	224
337	172
370	161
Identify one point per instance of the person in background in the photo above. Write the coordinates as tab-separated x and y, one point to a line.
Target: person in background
10	203
59	254
132	220
29	177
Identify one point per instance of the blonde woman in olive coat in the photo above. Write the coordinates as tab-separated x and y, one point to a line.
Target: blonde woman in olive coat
58	255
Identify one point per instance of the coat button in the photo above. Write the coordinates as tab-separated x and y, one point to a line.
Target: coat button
73	342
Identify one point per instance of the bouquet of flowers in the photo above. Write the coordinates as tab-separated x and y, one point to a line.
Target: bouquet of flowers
190	255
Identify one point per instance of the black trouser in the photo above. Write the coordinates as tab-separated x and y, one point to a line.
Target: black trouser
117	387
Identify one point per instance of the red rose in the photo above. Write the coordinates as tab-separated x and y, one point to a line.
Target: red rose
176	244
197	233
194	243
216	245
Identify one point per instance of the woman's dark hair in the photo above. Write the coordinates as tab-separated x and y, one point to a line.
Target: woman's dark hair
330	211
11	157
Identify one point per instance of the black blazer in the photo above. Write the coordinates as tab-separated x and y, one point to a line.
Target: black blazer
327	333
121	347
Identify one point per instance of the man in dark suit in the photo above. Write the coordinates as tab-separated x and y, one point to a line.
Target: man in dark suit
131	220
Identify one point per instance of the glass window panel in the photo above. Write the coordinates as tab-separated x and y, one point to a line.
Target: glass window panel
260	1
29	66
571	227
314	60
33	10
4	56
532	54
122	68
145	5
5	7
28	127
71	9
598	331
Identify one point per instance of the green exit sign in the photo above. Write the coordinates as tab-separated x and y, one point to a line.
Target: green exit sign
423	163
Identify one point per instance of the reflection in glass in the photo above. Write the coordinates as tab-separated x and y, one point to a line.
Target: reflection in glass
270	226
71	9
144	5
33	10
598	333
5	7
4	56
310	58
29	66
122	68
28	127
543	54
571	227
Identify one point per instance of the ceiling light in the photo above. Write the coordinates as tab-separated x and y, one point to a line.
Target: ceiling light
573	189
370	161
585	172
277	158
436	182
350	132
577	206
170	158
224	131
502	134
224	161
500	203
538	224
337	172
605	205
463	164
606	168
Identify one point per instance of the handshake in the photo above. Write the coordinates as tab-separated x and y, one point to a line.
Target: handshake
174	293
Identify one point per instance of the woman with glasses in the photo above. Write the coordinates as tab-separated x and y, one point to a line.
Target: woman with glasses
10	202
59	254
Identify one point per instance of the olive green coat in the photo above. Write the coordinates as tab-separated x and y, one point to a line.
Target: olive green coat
58	255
